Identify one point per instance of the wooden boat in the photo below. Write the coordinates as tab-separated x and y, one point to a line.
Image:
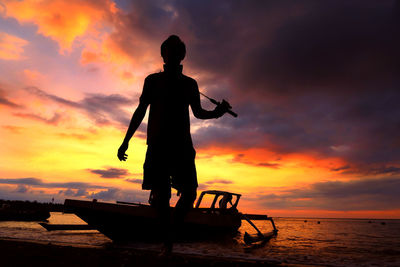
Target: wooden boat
123	221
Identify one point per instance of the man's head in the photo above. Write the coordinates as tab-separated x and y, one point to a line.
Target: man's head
173	50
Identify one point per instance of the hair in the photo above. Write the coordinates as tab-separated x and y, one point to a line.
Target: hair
173	43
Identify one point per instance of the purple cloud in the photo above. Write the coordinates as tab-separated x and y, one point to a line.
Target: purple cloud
362	194
110	172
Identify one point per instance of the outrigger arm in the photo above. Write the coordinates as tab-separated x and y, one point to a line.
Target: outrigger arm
249	239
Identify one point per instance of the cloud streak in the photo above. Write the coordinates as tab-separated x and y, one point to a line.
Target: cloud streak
30	188
110	172
55	119
241	158
102	109
4	101
363	194
218	181
31	181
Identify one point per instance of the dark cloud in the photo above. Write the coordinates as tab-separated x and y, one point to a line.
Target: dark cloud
109	194
22	189
39	183
211	184
74	192
334	46
341	168
203	187
241	158
105	109
121	195
304	76
369	170
38	195
81	192
36	91
68	192
55	119
135	181
110	172
4	101
218	181
385	170
365	194
22	181
102	109
282	46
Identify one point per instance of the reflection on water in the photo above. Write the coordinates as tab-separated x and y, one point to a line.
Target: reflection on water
338	242
33	231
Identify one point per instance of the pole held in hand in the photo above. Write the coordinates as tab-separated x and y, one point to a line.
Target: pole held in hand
219	103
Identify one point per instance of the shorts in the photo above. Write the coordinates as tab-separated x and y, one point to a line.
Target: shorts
166	167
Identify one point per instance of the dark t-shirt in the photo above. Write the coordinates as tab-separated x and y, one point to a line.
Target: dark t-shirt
169	96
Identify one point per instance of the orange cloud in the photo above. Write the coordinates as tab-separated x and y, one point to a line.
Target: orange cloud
33	75
260	157
89	57
107	50
11	47
62	21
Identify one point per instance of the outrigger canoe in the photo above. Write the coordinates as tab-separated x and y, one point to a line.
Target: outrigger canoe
124	221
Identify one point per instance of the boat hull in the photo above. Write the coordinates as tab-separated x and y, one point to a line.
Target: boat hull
122	222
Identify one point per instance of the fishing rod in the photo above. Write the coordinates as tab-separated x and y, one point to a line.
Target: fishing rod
219	103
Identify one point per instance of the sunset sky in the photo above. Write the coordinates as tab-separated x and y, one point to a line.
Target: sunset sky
316	85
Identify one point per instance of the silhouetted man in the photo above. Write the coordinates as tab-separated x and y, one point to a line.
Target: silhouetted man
170	153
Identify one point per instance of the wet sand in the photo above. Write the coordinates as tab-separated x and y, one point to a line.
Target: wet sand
24	253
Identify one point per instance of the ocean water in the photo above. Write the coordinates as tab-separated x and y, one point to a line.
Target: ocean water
331	242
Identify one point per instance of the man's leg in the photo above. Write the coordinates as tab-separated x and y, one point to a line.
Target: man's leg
160	201
183	206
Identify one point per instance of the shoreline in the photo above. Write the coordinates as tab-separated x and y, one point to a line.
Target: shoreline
41	253
18	252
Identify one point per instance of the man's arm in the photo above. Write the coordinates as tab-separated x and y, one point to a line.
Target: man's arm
136	120
203	114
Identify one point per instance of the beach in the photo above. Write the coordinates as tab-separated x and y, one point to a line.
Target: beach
29	253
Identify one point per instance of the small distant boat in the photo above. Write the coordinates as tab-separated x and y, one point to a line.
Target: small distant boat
124	221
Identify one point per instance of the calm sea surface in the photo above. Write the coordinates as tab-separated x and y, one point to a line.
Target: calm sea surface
332	242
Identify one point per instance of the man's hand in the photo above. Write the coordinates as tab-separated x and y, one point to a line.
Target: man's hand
222	108
121	152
